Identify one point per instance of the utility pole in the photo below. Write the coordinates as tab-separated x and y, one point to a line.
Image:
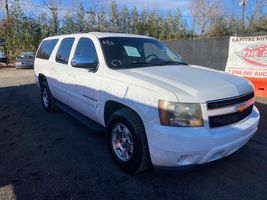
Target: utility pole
243	4
6	7
193	26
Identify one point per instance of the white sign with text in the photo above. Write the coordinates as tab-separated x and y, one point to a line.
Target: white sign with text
248	57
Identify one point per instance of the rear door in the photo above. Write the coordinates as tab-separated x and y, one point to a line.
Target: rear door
61	69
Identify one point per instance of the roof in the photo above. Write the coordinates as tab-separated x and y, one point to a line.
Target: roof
27	52
102	35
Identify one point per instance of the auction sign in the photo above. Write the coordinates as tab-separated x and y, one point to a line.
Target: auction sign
248	57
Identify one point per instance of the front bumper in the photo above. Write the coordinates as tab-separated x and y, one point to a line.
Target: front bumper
174	146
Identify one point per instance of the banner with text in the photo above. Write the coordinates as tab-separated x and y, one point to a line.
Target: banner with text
248	57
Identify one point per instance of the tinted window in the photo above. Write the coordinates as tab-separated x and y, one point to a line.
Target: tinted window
86	48
63	52
46	49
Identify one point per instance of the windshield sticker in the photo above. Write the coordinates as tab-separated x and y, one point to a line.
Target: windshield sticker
132	51
108	42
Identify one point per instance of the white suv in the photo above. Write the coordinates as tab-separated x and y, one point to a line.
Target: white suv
156	108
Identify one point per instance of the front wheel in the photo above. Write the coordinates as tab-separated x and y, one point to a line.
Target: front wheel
127	141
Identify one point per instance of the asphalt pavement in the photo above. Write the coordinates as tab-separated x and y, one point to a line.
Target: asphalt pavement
53	156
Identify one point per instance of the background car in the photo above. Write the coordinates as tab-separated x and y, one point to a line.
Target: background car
25	60
3	58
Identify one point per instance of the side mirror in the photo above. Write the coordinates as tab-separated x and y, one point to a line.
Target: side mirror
84	62
179	56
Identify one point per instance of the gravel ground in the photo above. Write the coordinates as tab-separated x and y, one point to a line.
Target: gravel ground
52	156
12	77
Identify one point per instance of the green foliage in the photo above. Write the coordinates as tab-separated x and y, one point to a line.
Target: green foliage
69	25
234	26
80	20
259	25
24	33
135	26
153	21
125	21
219	28
20	32
102	23
75	23
115	17
44	25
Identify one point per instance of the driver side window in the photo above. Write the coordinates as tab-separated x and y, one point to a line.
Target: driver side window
86	48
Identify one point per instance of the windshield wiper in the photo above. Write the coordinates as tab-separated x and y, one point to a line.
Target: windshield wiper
172	62
137	62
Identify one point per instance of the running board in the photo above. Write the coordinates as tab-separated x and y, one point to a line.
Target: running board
83	119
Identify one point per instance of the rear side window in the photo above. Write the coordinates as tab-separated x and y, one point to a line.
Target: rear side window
63	52
86	48
46	49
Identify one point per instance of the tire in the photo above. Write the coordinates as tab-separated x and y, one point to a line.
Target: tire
47	98
127	123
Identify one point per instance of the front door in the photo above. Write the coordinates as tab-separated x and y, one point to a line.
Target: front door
85	87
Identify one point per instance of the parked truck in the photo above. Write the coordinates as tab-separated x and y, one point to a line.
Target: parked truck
157	110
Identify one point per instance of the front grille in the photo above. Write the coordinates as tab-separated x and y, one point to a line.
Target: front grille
223	120
230	101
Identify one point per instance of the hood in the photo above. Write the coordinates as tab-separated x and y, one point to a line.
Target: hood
193	84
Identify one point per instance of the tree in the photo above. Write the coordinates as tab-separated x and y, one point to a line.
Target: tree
91	21
69	25
180	26
258	20
204	13
43	22
115	19
164	30
218	28
6	8
135	26
125	21
21	33
80	20
102	22
53	6
153	28
234	25
143	23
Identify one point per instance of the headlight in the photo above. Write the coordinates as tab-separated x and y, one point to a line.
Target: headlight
180	114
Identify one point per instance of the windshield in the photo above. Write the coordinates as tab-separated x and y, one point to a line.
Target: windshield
2	55
123	52
26	55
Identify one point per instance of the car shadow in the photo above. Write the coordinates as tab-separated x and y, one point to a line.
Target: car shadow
53	156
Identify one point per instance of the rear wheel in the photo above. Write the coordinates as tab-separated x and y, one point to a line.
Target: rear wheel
47	98
127	141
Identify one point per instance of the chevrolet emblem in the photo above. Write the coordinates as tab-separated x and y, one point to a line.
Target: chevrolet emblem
240	108
243	106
